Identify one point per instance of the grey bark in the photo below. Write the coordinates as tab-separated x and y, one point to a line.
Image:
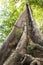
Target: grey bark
13	38
22	44
35	34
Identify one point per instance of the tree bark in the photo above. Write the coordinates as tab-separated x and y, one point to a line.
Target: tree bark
23	46
35	33
13	38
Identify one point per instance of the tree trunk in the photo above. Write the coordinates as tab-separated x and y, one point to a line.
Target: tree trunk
23	46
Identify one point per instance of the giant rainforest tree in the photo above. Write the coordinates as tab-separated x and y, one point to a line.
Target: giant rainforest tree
24	44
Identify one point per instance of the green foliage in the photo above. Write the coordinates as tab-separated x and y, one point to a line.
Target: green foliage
37	8
13	10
